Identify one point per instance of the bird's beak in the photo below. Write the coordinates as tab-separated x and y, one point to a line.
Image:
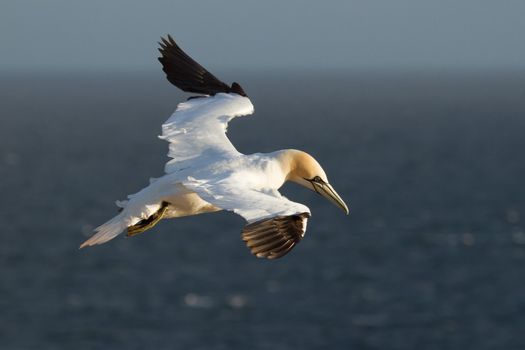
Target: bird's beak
328	192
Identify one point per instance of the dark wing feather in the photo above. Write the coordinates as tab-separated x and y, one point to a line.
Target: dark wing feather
186	74
275	237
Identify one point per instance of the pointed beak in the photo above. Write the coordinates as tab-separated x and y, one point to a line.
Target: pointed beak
328	192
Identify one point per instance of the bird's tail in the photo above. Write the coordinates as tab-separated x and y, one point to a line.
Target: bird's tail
107	231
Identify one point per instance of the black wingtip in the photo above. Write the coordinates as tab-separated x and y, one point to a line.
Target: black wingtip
236	88
274	237
188	75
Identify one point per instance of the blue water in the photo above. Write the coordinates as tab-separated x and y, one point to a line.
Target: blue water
431	256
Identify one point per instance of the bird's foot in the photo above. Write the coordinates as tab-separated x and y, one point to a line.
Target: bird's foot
148	223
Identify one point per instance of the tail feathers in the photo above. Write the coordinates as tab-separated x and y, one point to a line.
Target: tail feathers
106	232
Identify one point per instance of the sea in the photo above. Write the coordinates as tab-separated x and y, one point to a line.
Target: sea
432	255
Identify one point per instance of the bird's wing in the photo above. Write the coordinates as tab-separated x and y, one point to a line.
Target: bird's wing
274	237
275	224
186	74
197	130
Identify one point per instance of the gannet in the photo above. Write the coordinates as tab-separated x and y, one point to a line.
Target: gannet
208	174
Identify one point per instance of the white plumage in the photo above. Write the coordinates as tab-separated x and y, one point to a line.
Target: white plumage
206	172
205	162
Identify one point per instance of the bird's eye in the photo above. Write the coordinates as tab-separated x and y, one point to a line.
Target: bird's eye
317	179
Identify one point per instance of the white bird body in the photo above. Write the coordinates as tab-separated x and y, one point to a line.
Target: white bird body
183	189
207	174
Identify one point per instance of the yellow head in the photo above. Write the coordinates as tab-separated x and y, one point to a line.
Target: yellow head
303	169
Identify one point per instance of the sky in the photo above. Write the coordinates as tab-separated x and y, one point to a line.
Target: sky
341	35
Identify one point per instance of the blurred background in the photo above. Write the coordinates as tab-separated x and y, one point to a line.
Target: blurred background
415	110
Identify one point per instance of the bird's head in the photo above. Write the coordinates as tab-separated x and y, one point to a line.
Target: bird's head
306	171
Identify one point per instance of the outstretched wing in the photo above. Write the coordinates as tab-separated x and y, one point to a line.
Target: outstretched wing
186	74
197	130
274	237
275	224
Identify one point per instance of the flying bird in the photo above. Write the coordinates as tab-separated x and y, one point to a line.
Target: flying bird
208	174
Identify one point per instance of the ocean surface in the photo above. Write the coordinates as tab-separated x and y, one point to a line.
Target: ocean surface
432	255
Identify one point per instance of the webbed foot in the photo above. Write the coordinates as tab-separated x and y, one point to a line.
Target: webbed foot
148	223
